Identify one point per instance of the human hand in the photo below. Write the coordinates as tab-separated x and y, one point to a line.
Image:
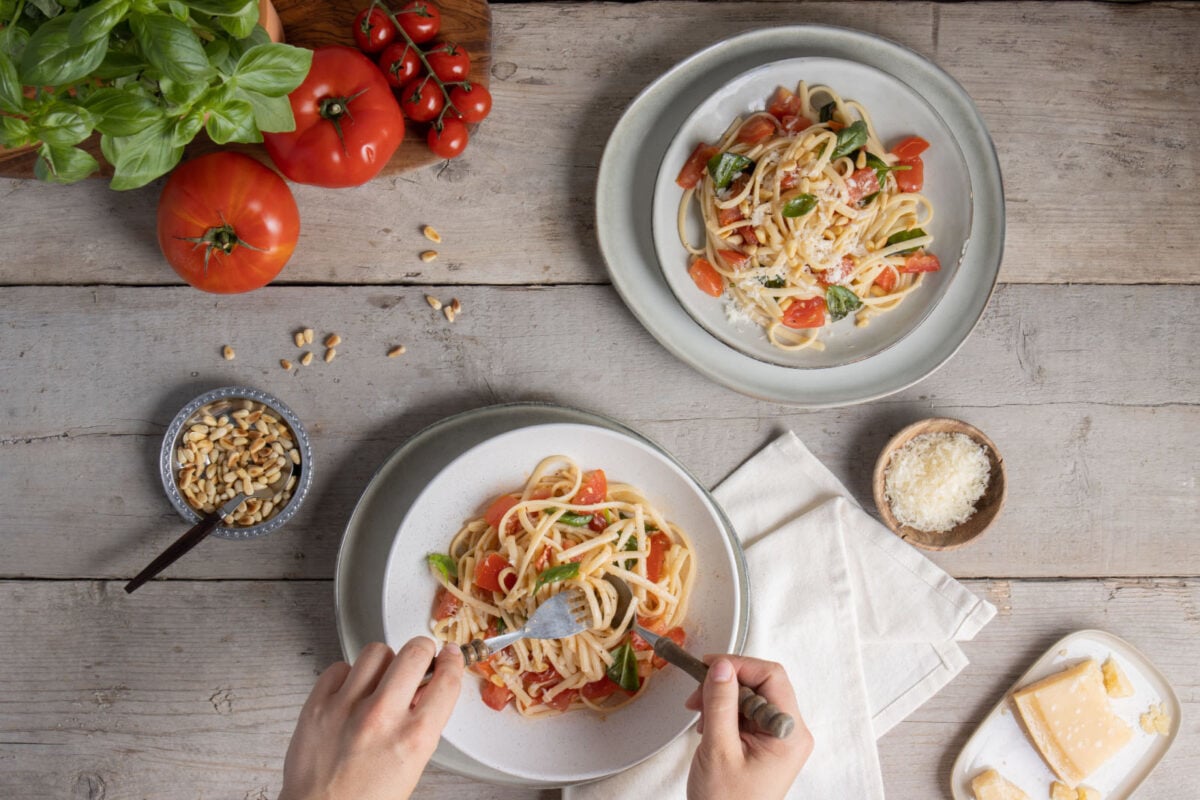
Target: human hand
736	759
367	732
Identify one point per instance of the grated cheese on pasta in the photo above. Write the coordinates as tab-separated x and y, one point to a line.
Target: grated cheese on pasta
934	481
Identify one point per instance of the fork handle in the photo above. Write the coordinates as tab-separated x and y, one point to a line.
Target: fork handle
477	650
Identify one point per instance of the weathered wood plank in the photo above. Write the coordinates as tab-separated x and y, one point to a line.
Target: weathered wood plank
1098	424
163	695
1097	135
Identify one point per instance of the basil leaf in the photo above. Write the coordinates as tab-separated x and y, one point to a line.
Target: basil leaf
97	21
841	301
232	122
850	139
14	132
64	128
561	572
501	625
51	60
866	201
241	24
12	42
142	157
904	236
47	7
799	205
271	114
121	112
182	93
171	46
575	520
63	164
219	55
119	65
443	564
882	169
773	283
630	545
272	69
623	671
11	98
827	112
723	166
217	8
178	10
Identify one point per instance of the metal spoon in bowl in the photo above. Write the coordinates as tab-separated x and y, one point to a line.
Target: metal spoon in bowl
752	705
204	527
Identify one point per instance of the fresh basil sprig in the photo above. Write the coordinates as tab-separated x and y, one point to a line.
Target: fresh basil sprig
623	671
841	301
443	564
723	166
574	520
882	169
799	205
561	572
849	139
904	236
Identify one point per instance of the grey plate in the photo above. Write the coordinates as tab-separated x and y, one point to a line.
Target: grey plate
624	202
362	557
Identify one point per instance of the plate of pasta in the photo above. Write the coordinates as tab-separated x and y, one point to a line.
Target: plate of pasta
550	508
811	212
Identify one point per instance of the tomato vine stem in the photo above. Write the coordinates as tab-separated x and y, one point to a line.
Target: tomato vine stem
449	104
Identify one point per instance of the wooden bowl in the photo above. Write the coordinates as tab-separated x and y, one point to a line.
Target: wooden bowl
986	510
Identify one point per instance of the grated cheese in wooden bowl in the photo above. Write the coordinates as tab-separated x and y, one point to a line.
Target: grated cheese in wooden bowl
934	481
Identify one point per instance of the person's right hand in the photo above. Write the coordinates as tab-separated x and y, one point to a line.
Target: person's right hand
735	759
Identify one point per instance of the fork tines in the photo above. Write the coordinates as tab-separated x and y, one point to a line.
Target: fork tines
578	605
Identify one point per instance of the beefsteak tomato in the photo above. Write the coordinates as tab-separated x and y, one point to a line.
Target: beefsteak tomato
348	124
227	223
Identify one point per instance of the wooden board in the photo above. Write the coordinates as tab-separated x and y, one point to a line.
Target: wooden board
1099	470
313	24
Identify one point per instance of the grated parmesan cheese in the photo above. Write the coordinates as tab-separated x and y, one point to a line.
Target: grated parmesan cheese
934	481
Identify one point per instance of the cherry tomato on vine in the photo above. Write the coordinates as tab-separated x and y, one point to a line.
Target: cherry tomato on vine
449	62
373	31
450	141
227	223
400	63
473	102
421	20
421	100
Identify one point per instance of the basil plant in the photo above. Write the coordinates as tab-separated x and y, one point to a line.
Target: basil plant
148	75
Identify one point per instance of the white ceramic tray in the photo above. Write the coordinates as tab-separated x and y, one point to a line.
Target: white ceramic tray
1001	744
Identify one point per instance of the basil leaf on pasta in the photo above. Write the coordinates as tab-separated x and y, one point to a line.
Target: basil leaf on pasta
850	139
443	564
630	545
799	205
623	671
575	520
723	166
827	111
773	283
882	169
904	236
841	301
555	574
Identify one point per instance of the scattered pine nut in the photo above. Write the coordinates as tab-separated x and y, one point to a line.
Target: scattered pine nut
450	313
306	359
333	340
330	354
398	350
308	335
429	255
434	303
457	306
283	362
299	338
227	351
431	234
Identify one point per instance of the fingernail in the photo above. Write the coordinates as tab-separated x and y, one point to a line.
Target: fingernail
722	671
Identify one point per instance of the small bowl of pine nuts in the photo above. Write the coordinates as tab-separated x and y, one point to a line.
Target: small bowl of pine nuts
236	440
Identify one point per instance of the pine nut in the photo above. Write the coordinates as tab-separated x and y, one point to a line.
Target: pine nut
330	354
398	350
299	338
333	340
429	255
457	306
306	359
450	313
431	234
434	303
283	362
227	351
308	335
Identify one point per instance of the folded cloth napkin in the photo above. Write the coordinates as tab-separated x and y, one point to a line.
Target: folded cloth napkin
866	626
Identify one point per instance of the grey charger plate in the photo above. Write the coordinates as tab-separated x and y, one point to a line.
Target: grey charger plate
362	557
624	208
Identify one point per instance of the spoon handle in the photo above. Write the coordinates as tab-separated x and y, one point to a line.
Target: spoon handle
753	705
193	537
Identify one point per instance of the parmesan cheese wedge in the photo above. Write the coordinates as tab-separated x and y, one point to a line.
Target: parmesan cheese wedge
990	785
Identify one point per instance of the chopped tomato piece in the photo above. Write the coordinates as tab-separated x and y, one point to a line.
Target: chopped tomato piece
677	636
496	697
809	313
728	216
601	689
493	628
834	125
446	605
543	559
910	148
795	124
660	543
886	279
734	259
783	103
921	262
599	522
912	179
487	573
707	279
562	701
748	235
537	682
837	275
499	507
693	169
862	183
592	489
790	180
755	129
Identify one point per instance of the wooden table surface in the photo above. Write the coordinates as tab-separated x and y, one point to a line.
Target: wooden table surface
1083	370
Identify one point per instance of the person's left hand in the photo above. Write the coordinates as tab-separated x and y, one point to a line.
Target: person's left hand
367	732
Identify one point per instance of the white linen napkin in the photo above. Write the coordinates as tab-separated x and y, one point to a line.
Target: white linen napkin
865	625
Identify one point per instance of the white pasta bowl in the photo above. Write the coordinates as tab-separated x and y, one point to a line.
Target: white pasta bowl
896	111
578	745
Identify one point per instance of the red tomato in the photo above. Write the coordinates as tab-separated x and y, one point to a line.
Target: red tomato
495	697
921	262
733	259
790	180
592	489
784	103
862	183
837	274
347	122
499	507
706	277
543	560
537	682
487	574
677	636
912	179
910	148
808	313
795	124
449	62
562	701
599	522
373	31
601	689
226	223
693	169
755	129
400	63
446	605
421	20
422	99
886	279
472	102
728	216
660	543
450	141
